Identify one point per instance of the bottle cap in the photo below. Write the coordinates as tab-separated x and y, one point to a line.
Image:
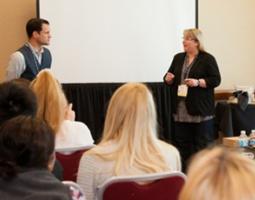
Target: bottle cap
243	132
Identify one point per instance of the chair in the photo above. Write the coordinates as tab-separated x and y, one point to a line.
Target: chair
70	161
159	186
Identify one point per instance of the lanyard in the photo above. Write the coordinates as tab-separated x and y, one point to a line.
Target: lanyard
186	68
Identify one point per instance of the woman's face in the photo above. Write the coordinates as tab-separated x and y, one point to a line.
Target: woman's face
189	44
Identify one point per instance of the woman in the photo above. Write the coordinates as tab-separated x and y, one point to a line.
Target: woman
129	145
26	158
192	76
54	109
16	99
220	174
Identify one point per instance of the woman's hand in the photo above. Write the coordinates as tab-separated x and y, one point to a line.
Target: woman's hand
169	78
191	82
70	114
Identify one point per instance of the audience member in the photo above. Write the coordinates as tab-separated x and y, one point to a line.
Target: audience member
32	57
220	174
18	99
55	110
26	156
129	145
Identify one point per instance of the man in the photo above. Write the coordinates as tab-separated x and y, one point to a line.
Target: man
32	57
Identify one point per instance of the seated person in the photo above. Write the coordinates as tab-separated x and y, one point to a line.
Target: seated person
18	99
219	174
55	110
129	145
26	156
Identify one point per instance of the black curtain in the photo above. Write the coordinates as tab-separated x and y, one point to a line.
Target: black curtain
90	102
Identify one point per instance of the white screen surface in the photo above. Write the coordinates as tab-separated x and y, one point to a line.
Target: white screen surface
115	40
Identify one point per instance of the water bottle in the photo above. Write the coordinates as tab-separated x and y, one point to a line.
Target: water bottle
243	139
252	138
252	134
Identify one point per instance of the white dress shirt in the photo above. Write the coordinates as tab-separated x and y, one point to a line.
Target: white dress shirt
17	65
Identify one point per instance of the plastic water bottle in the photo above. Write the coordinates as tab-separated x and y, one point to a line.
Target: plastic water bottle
252	138
252	134
243	139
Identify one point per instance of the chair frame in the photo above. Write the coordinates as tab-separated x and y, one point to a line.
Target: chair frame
139	178
73	149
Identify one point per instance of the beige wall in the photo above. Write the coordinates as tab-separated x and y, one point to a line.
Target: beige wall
13	17
229	30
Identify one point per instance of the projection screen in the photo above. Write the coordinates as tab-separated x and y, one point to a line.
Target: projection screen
97	41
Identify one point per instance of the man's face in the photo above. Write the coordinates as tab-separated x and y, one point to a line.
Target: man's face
43	37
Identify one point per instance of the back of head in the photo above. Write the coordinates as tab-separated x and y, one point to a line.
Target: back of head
220	174
35	24
51	99
131	110
131	123
16	99
25	143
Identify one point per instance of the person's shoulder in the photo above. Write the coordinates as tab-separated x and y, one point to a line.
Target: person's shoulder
205	54
37	184
75	125
180	55
166	147
43	175
17	55
51	184
46	49
171	155
90	159
73	133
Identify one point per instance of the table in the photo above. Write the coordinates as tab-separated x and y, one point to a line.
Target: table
230	119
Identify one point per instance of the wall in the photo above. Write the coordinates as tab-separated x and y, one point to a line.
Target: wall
228	26
13	17
229	30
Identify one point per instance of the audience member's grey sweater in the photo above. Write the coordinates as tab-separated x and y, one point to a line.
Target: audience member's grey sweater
34	185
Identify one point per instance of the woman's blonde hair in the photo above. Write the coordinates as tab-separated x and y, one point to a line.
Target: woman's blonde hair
220	174
51	99
196	35
131	123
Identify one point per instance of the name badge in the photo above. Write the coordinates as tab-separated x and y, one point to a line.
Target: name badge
182	90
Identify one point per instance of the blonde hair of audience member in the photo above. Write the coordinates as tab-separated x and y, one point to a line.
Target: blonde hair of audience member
220	174
52	103
131	123
195	34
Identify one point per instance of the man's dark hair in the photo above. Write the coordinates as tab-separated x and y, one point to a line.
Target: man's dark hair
25	143
35	24
16	99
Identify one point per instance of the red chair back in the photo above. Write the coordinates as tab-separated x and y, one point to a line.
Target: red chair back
159	187
70	163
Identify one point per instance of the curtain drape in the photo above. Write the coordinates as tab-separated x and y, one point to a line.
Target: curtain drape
90	102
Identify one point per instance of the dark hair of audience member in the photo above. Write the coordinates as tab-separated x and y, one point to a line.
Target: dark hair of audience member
25	143
16	99
35	24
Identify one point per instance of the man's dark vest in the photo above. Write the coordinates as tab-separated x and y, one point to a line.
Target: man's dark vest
32	64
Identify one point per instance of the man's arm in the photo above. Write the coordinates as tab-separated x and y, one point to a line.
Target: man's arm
16	66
